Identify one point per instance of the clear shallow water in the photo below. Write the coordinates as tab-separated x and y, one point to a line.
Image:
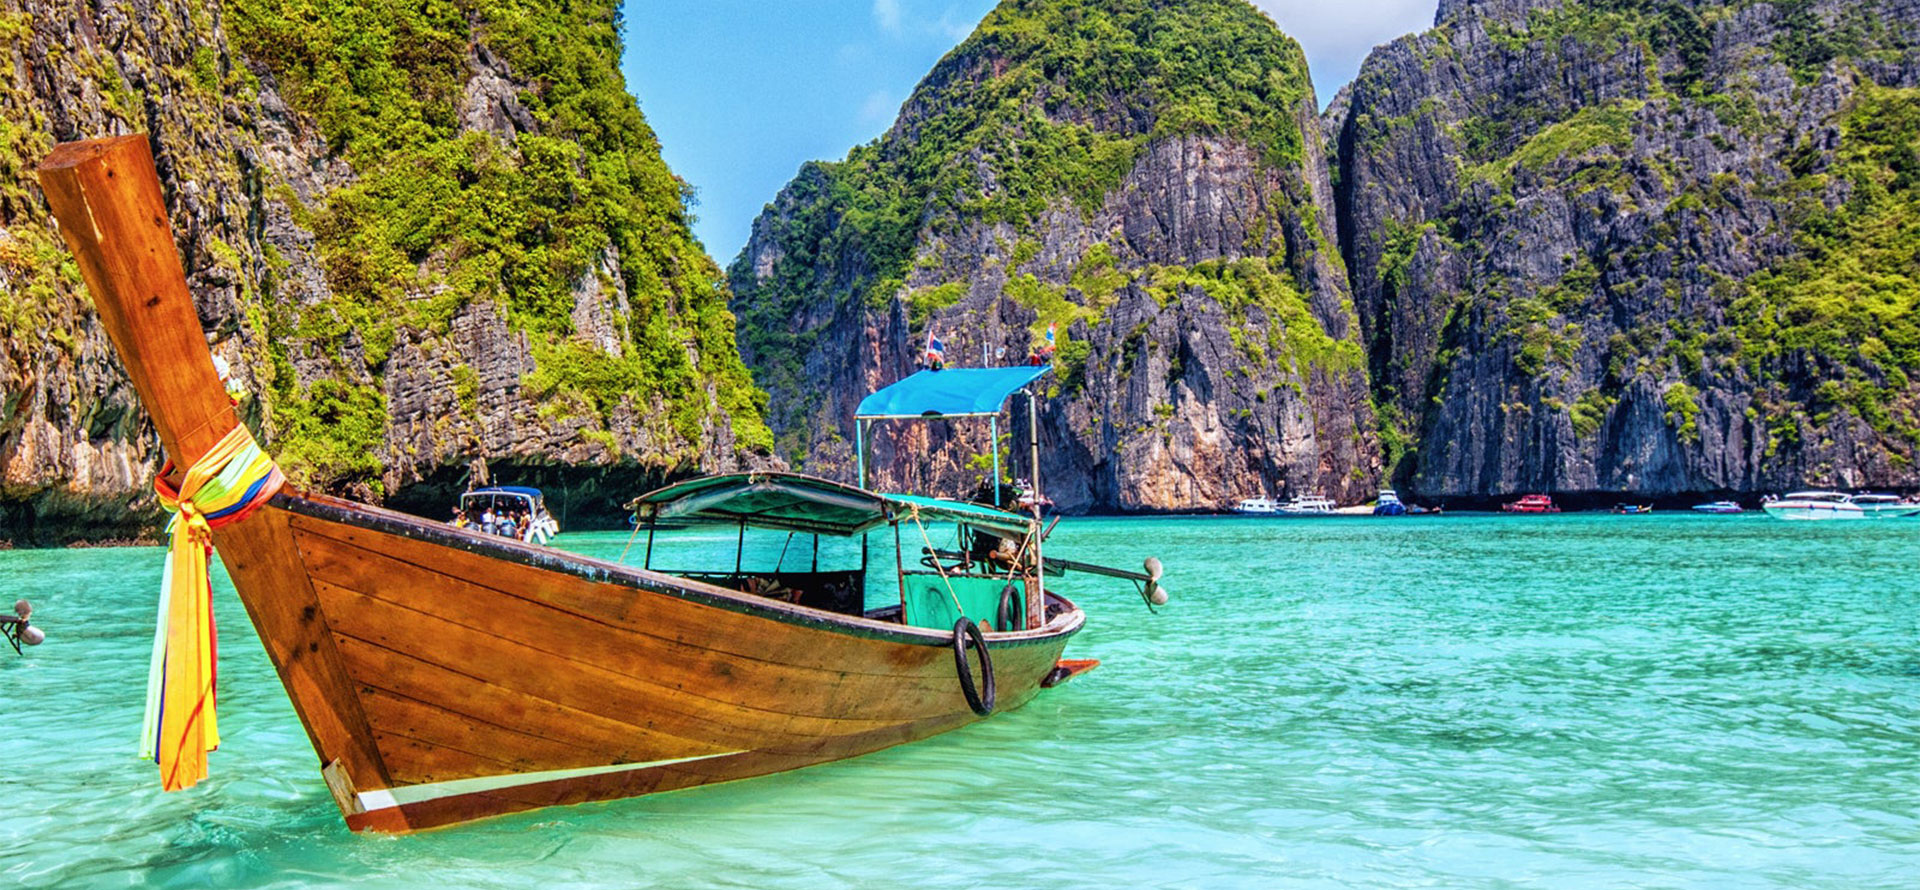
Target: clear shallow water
1563	701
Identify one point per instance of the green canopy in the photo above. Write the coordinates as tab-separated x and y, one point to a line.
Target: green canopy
811	505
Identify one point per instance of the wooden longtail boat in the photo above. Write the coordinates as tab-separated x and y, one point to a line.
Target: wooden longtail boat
445	675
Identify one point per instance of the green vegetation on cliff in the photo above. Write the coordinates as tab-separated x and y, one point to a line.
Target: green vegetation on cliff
1851	299
440	215
1048	102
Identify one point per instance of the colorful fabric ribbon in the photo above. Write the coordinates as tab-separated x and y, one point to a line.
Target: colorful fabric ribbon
226	485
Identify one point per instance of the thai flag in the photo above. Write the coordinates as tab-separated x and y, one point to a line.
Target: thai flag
936	351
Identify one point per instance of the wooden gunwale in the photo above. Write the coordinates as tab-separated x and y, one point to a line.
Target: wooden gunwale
589	568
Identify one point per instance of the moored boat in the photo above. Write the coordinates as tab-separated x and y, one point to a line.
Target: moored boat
1388	504
1531	503
1307	505
1718	507
513	511
1257	506
1632	509
444	675
1814	505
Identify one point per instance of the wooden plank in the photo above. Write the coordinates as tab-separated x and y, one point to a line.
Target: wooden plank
485	749
404	675
517	666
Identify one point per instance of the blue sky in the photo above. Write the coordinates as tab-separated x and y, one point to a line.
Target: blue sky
742	92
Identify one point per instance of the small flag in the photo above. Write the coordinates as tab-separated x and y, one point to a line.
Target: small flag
1050	330
936	351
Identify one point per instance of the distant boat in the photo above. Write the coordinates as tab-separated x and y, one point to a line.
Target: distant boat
1530	503
502	501
1307	505
1718	507
1389	504
1820	505
1257	506
1630	509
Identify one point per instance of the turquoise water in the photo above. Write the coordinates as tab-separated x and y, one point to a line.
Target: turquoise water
1562	701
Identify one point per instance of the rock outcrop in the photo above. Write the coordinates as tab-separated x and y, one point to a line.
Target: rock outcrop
1147	178
1650	247
452	246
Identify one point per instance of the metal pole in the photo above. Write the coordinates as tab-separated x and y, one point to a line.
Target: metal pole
653	519
860	449
740	549
900	571
1033	436
993	432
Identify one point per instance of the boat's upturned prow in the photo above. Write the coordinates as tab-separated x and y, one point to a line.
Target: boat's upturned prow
444	675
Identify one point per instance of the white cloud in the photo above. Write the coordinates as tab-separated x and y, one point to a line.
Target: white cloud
886	13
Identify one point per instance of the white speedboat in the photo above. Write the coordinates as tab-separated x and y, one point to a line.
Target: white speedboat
1257	506
1307	505
512	511
1885	506
1814	505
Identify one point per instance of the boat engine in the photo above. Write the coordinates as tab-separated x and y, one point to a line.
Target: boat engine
16	629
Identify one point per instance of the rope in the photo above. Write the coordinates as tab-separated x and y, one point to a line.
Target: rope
225	486
636	534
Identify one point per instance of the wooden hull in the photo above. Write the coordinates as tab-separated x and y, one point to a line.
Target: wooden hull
445	676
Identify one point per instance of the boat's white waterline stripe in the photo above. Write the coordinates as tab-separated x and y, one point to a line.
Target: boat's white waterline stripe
387	798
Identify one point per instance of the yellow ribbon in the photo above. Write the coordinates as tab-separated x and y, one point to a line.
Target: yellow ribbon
225	485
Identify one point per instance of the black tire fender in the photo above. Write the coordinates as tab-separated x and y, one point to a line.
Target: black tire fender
981	699
1009	596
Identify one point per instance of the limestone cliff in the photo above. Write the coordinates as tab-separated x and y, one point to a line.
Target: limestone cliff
1656	247
423	238
1150	178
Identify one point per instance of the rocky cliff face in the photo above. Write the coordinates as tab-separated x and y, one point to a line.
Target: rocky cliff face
1640	246
446	242
1150	179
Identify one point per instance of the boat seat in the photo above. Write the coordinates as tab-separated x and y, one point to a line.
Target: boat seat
841	591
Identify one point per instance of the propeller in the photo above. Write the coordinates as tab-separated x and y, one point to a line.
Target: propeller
16	630
1155	594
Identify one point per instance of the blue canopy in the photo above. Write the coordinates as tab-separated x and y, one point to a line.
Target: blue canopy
953	392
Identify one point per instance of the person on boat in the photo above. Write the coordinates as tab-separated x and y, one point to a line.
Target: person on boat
936	353
520	521
460	519
488	520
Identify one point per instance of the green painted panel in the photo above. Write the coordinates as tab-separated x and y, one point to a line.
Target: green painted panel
929	604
